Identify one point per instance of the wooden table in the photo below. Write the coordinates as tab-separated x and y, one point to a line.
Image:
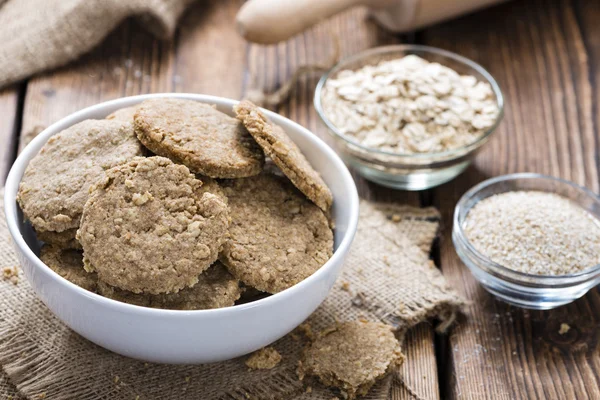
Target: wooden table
546	57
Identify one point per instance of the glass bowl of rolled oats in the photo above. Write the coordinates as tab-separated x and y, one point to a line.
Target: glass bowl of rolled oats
531	240
408	116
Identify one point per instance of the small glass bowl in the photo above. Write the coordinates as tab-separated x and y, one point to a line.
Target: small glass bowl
539	292
417	171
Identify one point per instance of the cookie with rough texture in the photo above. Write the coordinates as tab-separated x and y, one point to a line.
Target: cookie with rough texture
352	356
149	227
216	288
198	136
56	182
65	239
68	263
265	358
277	236
123	114
285	154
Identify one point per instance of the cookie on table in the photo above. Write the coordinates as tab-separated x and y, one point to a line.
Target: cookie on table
65	239
352	356
123	114
216	288
285	154
68	263
56	182
198	136
277	237
148	227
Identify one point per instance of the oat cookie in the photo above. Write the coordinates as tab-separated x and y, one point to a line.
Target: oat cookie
123	114
56	182
352	356
148	227
68	263
207	141
277	236
216	288
285	154
64	240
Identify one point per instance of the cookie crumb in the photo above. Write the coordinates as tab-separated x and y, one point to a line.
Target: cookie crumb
345	286
42	395
137	397
116	379
564	328
11	274
309	389
187	379
396	218
265	358
307	330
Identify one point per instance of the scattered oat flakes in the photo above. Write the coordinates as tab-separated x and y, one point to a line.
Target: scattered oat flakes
564	328
265	358
11	274
534	232
409	105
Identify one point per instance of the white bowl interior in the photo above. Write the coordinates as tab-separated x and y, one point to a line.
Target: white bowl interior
56	292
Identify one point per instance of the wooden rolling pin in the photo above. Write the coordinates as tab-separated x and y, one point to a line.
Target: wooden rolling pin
271	21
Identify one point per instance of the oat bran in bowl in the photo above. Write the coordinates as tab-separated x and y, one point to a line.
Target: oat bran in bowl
407	116
531	240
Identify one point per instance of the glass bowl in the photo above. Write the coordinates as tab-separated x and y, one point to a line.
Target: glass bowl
540	292
407	171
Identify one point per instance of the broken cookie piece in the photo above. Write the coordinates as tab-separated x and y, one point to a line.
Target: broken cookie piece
265	358
352	356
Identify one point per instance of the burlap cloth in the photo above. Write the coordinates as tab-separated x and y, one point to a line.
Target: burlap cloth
388	276
40	34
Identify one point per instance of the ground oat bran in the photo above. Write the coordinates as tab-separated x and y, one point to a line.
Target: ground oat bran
534	232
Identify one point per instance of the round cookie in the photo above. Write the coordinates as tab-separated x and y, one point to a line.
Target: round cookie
216	288
352	356
198	136
277	236
285	154
64	240
68	263
149	227
123	114
56	182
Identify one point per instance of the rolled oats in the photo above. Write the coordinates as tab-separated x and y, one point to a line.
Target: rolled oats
409	105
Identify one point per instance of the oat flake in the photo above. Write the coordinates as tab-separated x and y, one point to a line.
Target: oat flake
534	232
409	105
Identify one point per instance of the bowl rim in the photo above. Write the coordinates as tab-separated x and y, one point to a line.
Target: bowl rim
424	49
18	168
502	272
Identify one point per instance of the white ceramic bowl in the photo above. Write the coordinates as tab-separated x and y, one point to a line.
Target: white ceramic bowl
172	336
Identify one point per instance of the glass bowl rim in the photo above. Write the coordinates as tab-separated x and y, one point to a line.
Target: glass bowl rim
502	271
424	49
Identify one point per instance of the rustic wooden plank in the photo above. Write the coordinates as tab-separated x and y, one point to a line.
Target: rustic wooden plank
9	99
538	53
272	66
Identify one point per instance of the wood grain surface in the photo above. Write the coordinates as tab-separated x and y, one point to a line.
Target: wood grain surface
545	55
539	55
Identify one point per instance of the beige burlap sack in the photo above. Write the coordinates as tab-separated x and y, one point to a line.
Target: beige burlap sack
387	277
40	34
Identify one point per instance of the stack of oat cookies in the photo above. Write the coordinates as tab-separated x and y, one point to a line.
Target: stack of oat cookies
170	204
